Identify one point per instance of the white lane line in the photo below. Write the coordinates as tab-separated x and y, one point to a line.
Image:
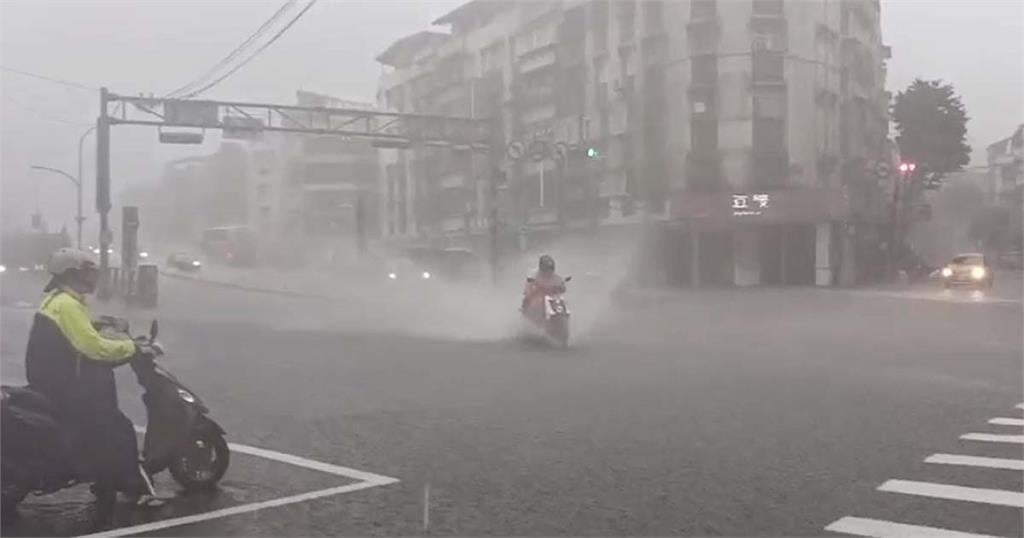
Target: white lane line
306	463
313	464
887	529
955	493
993	438
976	461
1007	421
232	511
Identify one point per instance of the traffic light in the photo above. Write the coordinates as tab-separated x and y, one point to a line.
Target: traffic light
593	152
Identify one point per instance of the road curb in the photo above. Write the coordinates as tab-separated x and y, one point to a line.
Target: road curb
254	289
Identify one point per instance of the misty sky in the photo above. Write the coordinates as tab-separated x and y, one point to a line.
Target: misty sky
153	46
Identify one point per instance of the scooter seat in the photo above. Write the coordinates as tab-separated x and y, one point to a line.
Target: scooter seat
26	398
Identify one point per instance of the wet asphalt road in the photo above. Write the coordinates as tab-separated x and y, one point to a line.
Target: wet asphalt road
742	412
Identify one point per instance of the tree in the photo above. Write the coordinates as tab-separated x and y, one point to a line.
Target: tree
932	125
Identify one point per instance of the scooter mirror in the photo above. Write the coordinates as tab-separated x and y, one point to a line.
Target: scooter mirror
154	330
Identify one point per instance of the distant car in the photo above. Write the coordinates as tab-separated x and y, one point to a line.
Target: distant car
968	270
184	262
407	271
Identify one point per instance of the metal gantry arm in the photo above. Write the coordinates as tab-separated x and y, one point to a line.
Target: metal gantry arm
371	125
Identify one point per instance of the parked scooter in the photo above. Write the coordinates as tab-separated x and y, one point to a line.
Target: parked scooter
37	456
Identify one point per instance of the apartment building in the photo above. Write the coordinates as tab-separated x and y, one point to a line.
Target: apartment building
745	132
1005	175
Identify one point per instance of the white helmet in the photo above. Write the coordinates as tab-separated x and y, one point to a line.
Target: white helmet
70	258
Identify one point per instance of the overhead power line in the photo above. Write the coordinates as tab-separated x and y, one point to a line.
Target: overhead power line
48	79
236	52
254	54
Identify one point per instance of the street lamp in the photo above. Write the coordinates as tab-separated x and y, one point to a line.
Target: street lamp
78	188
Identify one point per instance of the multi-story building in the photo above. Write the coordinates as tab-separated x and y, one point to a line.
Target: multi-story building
1006	166
305	193
744	131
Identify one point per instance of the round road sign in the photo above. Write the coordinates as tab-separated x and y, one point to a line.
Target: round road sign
514	151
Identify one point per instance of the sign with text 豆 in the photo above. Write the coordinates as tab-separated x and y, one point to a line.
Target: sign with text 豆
749	204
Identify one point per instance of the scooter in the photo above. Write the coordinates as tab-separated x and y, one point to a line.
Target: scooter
555	323
37	456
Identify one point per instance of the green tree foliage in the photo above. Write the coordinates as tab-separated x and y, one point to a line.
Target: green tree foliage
932	125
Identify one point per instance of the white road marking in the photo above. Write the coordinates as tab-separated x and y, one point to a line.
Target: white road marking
1007	421
993	438
976	461
232	511
312	464
887	529
306	463
956	493
365	479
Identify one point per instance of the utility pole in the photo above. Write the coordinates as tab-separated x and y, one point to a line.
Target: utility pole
905	174
81	219
103	179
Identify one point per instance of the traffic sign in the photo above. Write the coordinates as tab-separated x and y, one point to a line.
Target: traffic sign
561	150
514	151
882	169
538	150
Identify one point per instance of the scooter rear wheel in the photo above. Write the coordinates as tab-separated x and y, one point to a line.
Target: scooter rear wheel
203	461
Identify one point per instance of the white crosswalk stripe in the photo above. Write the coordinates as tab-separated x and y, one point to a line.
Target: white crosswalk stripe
993	438
887	529
939	492
1007	421
955	493
976	461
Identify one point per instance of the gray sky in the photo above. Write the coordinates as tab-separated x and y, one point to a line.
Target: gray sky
157	45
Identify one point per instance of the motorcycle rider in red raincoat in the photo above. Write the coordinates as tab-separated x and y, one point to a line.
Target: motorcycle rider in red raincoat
544	282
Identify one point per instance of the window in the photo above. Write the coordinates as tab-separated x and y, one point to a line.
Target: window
770	104
702	8
768	67
704	136
769	135
704	70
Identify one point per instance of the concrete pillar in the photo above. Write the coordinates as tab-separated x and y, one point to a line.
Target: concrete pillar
746	257
848	270
784	258
823	254
695	258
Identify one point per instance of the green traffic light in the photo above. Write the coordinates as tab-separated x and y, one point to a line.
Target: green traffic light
593	153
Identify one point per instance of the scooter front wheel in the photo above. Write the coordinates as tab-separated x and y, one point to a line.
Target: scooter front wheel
12	495
203	460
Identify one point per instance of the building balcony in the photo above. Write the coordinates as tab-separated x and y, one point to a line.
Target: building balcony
452	180
537	60
768	9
